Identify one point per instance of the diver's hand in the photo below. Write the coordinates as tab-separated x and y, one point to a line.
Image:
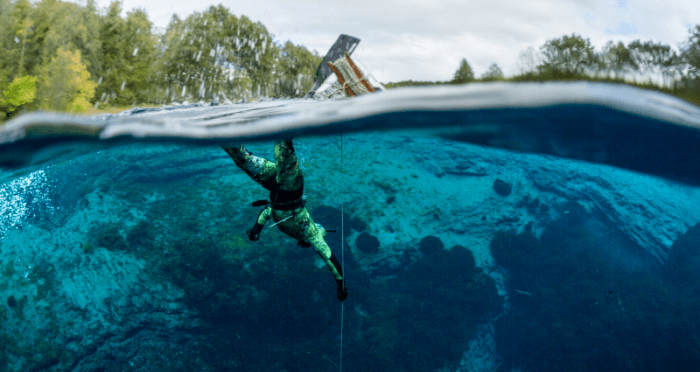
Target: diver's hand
342	293
254	233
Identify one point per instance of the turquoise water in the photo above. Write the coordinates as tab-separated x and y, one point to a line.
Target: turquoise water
133	256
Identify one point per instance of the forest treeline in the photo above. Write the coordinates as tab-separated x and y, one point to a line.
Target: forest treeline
646	64
62	56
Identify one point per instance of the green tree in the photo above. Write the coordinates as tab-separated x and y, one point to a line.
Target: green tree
464	73
296	70
492	73
128	56
21	91
569	55
15	25
690	54
111	75
216	53
651	58
55	24
528	61
140	56
86	37
617	59
32	33
65	83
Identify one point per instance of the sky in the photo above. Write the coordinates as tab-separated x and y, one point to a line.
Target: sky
427	39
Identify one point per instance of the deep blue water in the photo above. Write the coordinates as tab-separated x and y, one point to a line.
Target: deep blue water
133	256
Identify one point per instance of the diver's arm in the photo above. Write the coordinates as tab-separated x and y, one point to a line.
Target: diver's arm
257	168
238	153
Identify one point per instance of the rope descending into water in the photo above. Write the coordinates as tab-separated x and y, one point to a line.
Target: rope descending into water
342	256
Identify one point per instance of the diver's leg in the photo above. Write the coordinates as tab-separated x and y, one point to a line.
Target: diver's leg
315	236
289	175
256	167
254	233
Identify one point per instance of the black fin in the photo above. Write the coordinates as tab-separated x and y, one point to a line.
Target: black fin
344	44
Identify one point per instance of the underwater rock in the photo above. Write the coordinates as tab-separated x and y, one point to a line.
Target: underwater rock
367	243
76	309
508	219
329	218
430	244
12	301
650	212
435	302
533	206
510	249
683	263
561	284
502	187
108	309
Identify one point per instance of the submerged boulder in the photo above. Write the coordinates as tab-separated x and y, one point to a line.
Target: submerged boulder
683	265
367	243
501	187
430	244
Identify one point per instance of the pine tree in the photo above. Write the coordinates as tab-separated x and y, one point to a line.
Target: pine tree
464	73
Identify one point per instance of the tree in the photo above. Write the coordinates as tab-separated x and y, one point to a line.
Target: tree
296	70
690	54
86	38
464	73
139	54
568	54
653	58
128	53
55	24
529	60
31	33
492	73
618	59
215	53
65	83
21	91
15	24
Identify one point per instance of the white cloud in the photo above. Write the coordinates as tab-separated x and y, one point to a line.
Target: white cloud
425	40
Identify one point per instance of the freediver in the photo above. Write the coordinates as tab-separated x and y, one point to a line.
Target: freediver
286	183
286	206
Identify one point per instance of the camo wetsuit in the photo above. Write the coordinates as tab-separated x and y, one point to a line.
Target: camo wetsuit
285	181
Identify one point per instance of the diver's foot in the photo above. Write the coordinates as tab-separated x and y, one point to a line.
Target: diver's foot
342	292
254	233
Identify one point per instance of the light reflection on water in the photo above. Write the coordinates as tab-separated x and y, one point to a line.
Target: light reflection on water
19	199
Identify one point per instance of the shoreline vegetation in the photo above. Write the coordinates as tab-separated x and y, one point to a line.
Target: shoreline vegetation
81	59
